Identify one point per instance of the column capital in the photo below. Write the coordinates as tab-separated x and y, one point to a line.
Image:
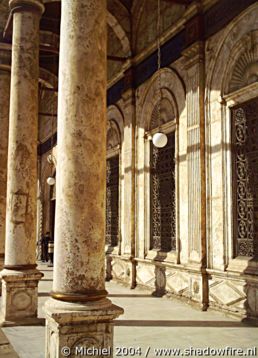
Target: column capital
27	5
194	54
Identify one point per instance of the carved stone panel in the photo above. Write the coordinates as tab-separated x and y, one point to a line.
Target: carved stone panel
163	213
245	177
112	197
245	62
113	135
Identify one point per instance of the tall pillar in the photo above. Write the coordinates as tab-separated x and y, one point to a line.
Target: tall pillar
79	314
195	87
4	124
19	276
128	204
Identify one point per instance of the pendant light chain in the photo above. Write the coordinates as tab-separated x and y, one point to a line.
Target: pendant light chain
51	179
159	139
52	127
52	133
159	63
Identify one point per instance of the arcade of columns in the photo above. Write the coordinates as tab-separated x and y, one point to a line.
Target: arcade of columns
203	267
79	293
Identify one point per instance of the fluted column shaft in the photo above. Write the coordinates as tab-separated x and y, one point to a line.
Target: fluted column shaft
81	166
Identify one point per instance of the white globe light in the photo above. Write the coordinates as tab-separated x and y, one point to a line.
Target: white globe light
160	140
51	181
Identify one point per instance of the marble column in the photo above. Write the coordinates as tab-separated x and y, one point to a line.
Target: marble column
79	314
20	276
4	124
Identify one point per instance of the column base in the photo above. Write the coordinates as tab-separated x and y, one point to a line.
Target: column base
74	329
19	297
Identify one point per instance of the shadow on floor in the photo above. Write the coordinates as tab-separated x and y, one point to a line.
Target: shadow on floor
46	279
129	296
151	323
43	294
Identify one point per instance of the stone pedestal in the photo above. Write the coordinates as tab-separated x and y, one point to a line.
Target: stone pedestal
20	277
74	328
20	297
79	312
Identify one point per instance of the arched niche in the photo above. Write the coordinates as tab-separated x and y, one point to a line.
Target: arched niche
114	24
172	96
242	68
232	75
233	56
115	182
169	85
115	128
163	111
113	135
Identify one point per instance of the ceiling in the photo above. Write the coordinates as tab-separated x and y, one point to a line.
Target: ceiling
127	3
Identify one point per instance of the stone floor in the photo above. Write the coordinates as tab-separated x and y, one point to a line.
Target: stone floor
148	323
6	349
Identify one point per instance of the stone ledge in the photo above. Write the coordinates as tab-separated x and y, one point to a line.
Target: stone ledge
65	312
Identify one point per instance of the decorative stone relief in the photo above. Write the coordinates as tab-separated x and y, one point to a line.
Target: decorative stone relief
113	135
245	177
177	283
245	69
122	270
118	270
146	275
226	293
21	300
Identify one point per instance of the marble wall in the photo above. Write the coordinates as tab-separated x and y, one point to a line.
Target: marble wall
230	282
203	268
